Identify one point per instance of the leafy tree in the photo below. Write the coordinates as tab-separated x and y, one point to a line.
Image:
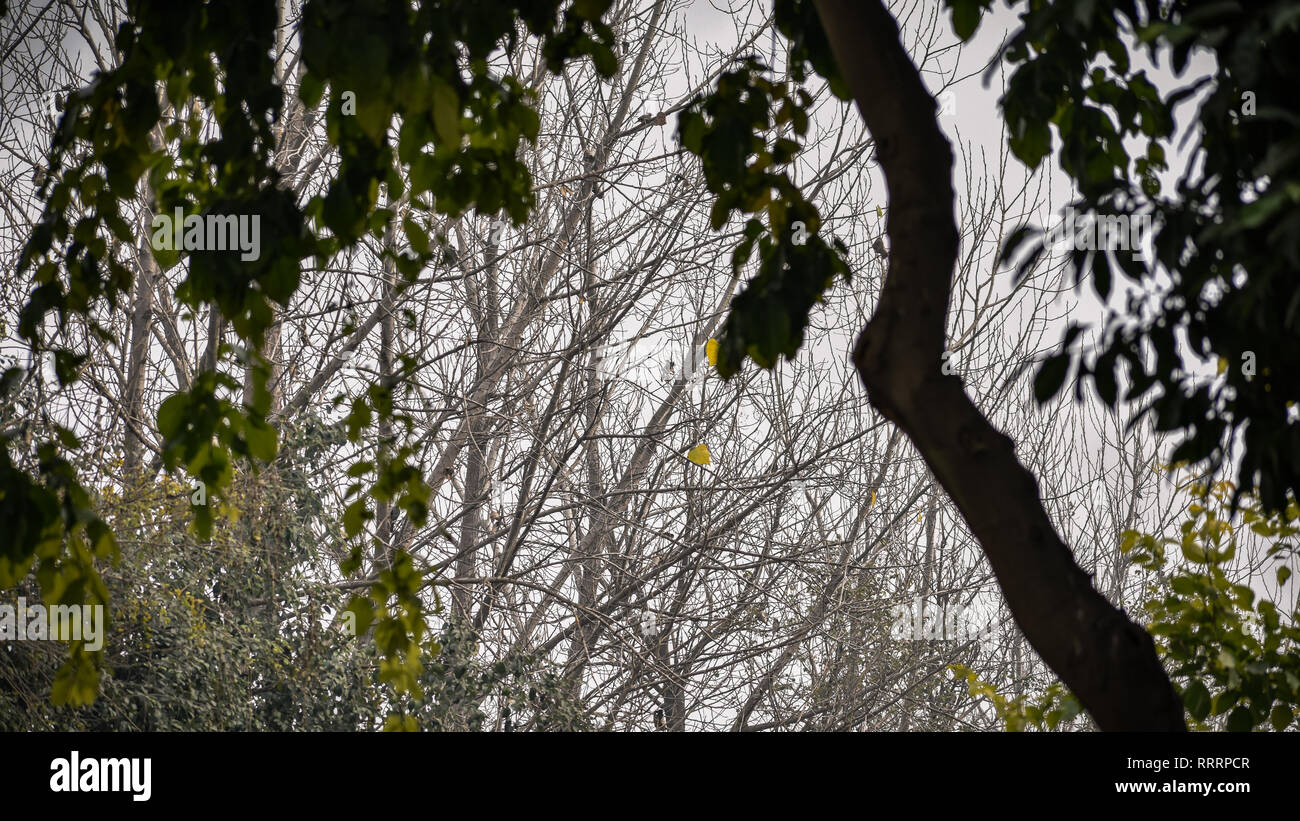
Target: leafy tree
425	65
1232	654
228	633
1225	249
460	130
1225	242
1222	240
1055	708
529	696
236	633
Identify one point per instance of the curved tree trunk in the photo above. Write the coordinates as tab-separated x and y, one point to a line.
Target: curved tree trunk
1109	662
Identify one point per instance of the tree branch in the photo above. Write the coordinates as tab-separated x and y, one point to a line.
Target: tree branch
1109	662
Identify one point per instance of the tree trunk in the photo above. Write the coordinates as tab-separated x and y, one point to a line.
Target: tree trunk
138	358
1109	662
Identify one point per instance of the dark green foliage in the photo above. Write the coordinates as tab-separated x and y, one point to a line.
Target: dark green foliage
1228	233
457	144
727	129
527	694
230	633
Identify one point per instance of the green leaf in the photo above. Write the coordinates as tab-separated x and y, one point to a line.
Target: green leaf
446	113
1222	701
965	17
171	414
359	469
529	122
76	683
363	609
1103	376
374	116
1127	540
261	439
354	516
1258	212
416	235
590	9
690	129
1197	700
1051	375
310	90
1281	717
1192	551
1239	720
1033	143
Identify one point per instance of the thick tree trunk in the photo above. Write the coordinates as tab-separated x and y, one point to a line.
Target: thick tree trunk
1109	662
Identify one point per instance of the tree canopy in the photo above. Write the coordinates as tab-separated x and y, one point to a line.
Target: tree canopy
434	128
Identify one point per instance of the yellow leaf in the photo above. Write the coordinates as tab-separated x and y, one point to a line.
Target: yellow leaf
918	517
1192	551
711	351
700	454
1223	364
873	498
880	213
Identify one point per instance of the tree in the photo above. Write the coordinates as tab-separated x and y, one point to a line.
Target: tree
1108	662
1220	239
1234	654
458	146
228	634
